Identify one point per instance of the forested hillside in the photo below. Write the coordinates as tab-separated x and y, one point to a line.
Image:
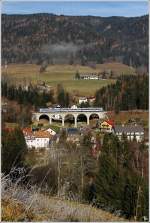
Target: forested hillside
129	92
74	39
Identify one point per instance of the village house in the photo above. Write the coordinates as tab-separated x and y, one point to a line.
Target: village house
83	100
51	131
4	106
107	126
74	107
73	135
91	76
131	131
43	87
91	99
37	139
57	117
85	130
25	87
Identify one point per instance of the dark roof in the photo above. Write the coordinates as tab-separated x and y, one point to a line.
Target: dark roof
73	131
85	129
128	128
55	137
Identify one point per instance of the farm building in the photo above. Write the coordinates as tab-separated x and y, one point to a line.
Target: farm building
91	76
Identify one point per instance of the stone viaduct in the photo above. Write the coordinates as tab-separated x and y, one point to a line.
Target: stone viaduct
63	112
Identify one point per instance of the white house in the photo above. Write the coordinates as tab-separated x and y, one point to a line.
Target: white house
89	76
83	100
37	139
74	107
33	142
51	131
131	131
57	117
107	126
91	99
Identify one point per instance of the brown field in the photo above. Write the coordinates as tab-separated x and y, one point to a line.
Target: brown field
64	74
45	208
141	117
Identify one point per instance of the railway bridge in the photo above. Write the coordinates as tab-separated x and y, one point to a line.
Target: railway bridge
49	113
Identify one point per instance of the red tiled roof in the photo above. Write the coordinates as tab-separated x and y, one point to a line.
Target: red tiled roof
37	134
110	122
42	134
9	129
27	130
92	97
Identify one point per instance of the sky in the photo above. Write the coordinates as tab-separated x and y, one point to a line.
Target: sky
95	8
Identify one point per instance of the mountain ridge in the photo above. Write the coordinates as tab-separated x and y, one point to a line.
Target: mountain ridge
92	39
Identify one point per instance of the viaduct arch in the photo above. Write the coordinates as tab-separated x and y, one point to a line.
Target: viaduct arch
64	112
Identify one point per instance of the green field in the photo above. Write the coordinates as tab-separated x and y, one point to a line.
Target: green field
82	87
64	74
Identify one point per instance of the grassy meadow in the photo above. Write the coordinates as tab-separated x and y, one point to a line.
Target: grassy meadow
64	74
23	204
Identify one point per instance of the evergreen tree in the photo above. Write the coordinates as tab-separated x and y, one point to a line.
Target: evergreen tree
129	197
63	97
135	197
13	149
77	75
26	97
67	99
118	185
129	92
108	183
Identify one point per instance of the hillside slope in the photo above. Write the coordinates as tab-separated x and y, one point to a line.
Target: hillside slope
28	204
53	209
59	39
